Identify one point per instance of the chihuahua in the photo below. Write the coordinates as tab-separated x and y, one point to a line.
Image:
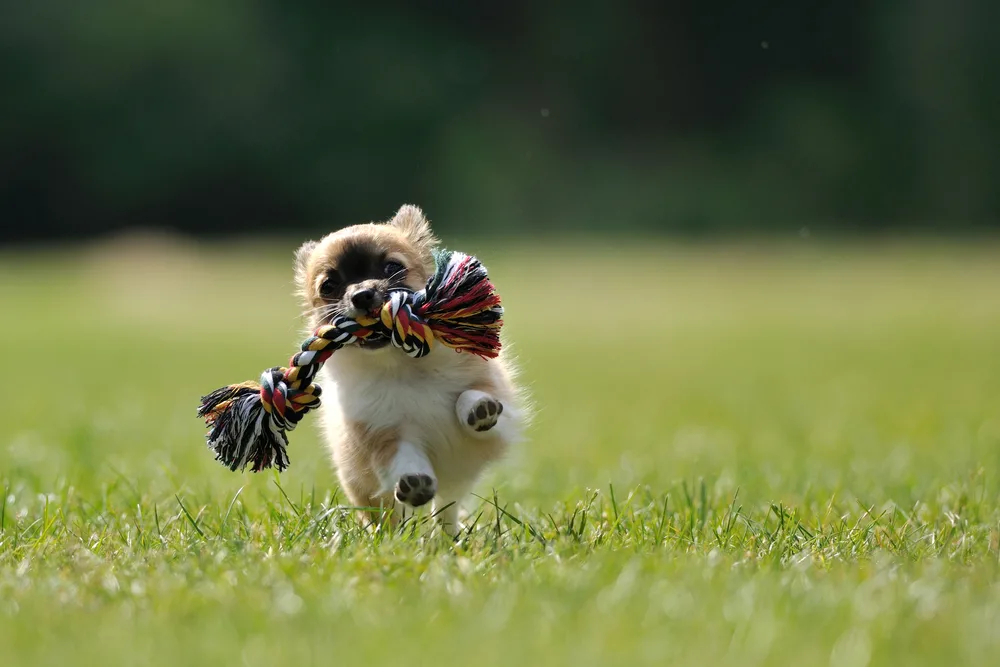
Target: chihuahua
402	432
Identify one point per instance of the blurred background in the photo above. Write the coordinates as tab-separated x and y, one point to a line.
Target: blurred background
689	162
681	117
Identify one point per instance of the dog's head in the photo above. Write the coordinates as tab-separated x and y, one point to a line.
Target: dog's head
350	271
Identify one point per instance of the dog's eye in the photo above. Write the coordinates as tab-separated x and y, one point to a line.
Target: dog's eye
329	286
394	270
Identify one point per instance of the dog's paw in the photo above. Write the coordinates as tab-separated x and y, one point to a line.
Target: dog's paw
484	413
415	489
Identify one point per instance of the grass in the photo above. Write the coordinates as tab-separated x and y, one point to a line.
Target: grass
743	455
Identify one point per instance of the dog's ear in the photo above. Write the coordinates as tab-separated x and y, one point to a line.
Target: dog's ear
410	220
302	256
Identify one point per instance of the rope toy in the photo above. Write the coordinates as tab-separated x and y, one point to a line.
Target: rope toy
458	308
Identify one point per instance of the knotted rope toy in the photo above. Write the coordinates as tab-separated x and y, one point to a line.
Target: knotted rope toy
459	308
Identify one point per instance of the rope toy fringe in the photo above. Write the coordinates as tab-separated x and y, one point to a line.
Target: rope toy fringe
458	308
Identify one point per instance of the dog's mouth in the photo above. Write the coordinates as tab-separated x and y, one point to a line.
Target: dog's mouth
373	343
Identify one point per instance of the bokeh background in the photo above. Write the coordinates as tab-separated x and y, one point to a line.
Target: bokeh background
253	116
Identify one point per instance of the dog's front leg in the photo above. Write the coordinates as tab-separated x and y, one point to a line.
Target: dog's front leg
478	412
410	477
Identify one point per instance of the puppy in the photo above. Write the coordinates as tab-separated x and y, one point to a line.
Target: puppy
402	432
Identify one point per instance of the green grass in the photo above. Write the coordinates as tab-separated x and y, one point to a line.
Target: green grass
743	455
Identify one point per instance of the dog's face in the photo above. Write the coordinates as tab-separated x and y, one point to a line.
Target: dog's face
349	272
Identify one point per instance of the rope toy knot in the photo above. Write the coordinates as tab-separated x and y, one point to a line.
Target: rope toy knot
458	308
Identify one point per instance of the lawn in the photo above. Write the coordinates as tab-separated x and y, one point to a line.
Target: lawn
744	454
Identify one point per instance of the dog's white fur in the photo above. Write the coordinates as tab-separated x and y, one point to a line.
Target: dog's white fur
416	398
387	416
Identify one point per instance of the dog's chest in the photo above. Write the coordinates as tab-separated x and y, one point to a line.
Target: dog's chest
408	395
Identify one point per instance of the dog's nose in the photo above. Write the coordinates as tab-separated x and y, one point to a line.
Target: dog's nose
364	299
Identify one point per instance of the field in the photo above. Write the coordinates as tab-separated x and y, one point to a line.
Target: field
750	454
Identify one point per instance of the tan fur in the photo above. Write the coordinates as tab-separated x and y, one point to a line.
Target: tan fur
377	401
362	452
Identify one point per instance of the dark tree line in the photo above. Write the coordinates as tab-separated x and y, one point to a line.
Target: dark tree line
240	116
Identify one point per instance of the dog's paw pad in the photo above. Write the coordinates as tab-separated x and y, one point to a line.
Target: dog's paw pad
483	415
415	490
